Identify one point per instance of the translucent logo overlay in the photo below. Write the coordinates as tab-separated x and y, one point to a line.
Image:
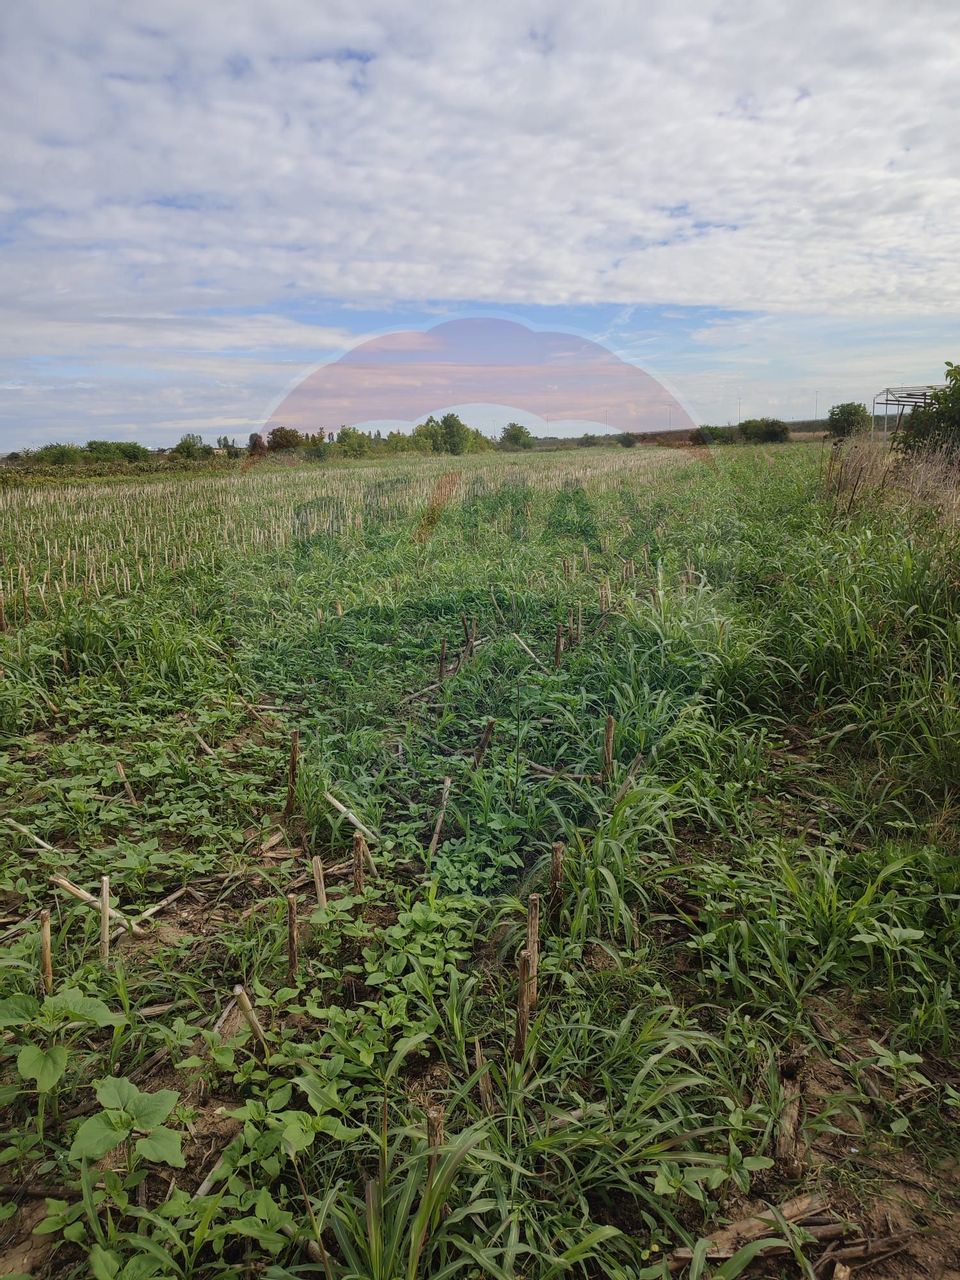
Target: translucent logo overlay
398	379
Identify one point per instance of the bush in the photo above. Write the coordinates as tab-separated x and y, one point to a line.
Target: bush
764	430
283	438
117	451
353	443
448	435
57	455
935	425
515	436
848	419
715	435
95	453
191	448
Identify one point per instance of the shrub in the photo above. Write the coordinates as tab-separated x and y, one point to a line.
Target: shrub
57	455
353	443
117	451
191	448
935	425
515	436
764	430
448	435
715	435
283	438
848	419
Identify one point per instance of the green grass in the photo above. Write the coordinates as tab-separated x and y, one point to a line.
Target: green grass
773	847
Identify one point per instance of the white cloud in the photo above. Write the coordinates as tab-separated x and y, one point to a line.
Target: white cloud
793	366
796	158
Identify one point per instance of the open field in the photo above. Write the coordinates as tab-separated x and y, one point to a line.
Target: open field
706	710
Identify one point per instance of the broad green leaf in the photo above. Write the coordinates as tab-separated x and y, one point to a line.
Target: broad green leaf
757	1162
271	1240
16	1010
298	1131
163	1147
104	1263
118	1093
73	1004
151	1109
336	1128
269	1212
96	1136
46	1066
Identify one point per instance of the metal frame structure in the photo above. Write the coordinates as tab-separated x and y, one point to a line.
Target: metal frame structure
901	399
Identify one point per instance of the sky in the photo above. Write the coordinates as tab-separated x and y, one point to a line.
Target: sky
201	203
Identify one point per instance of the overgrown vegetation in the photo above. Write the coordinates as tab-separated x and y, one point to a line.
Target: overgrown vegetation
449	434
750	431
98	459
706	711
935	426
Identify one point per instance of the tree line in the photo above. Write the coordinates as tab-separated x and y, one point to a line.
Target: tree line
449	434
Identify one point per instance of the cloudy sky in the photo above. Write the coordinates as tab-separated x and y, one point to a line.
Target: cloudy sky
758	202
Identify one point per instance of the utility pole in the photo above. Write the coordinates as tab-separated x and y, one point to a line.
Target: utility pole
738	411
816	411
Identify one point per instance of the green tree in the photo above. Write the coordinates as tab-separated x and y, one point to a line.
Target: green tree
353	443
515	436
191	448
627	440
478	443
58	455
764	430
316	451
427	437
455	434
848	419
116	451
935	425
448	434
255	445
714	435
283	438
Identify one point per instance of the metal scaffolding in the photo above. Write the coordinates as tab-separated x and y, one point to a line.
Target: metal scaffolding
900	399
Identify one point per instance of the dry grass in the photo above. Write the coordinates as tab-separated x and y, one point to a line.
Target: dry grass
863	469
